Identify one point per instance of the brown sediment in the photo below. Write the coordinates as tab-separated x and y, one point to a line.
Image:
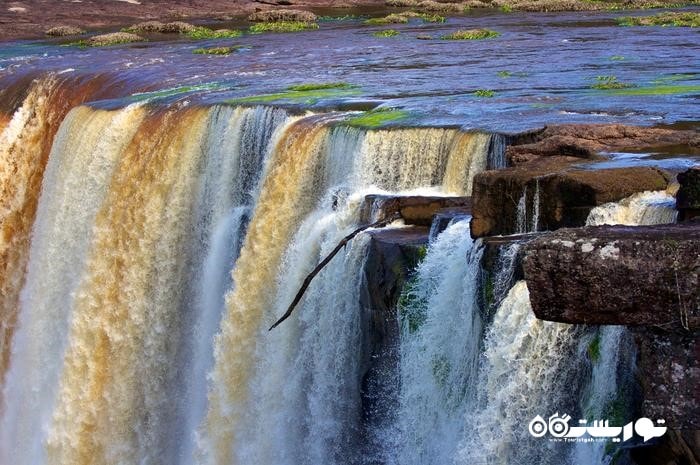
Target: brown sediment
25	144
126	316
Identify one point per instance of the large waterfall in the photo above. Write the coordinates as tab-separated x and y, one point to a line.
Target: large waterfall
150	247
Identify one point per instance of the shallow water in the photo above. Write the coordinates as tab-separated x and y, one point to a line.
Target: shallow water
552	60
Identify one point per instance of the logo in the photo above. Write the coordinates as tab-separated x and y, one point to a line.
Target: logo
599	430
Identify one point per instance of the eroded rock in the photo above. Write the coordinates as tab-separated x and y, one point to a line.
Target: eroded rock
588	140
550	193
62	31
620	275
113	38
416	210
688	196
282	15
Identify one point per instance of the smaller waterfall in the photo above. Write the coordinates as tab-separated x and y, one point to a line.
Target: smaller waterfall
643	208
438	365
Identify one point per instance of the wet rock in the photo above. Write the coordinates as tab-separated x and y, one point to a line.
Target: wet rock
392	256
269	16
588	140
669	372
175	27
551	193
62	31
673	448
113	38
416	210
621	275
688	196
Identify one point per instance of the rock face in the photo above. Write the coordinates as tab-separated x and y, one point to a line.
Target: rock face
393	254
643	275
588	140
282	15
416	210
551	193
688	196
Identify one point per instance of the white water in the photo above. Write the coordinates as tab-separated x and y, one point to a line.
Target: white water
440	330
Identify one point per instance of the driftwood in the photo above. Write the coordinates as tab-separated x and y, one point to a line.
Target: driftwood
325	261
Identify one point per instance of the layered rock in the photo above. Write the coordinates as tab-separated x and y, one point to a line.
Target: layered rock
588	140
643	275
688	196
415	210
550	193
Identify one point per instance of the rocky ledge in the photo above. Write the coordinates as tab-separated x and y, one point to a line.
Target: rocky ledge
549	193
415	210
642	275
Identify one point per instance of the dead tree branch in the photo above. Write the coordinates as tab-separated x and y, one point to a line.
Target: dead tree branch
325	261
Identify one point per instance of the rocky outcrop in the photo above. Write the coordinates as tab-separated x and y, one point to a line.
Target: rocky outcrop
113	38
688	196
415	210
588	140
550	193
643	275
175	27
393	254
62	31
282	15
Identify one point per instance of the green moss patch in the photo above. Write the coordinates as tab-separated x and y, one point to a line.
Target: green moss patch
609	82
282	26
377	118
659	90
669	19
593	349
405	17
485	93
204	33
217	50
386	33
320	86
471	34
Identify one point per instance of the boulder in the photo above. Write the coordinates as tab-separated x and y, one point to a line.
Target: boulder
416	210
688	196
62	31
588	140
113	38
270	16
619	275
550	193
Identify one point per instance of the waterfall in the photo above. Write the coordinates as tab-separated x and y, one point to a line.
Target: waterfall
438	366
643	208
164	241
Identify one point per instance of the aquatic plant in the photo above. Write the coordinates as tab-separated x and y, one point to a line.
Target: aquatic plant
504	74
471	34
609	82
674	19
593	349
405	17
659	90
203	33
282	26
112	38
484	93
386	33
320	86
377	118
617	58
216	50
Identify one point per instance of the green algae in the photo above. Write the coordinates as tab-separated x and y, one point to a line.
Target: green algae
320	86
282	26
308	97
386	33
485	93
609	82
659	90
377	118
205	33
471	34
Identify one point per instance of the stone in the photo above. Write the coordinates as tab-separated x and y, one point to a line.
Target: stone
587	141
688	196
557	194
618	275
62	31
415	210
269	16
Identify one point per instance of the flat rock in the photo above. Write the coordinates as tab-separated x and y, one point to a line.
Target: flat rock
554	193
415	210
619	275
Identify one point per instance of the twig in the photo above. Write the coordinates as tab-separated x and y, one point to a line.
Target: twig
326	260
